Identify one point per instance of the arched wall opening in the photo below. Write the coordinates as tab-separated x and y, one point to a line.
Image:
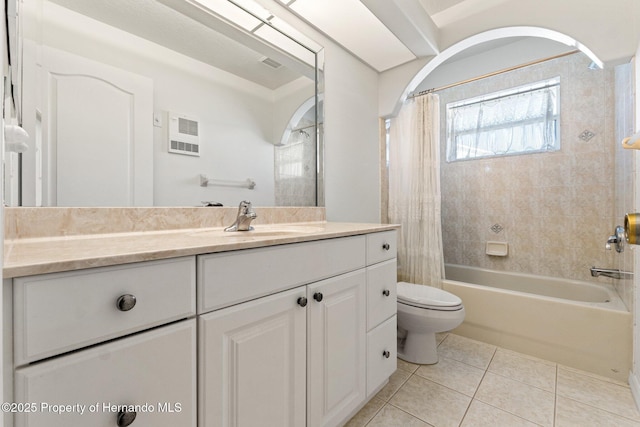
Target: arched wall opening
484	37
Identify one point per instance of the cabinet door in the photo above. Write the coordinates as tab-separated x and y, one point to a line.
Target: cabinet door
382	301
152	373
252	361
381	354
58	312
336	348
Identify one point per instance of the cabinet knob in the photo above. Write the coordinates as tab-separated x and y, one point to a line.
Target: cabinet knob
125	303
125	418
386	354
318	296
386	292
302	302
386	246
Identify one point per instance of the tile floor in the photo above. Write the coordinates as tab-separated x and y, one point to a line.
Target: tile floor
478	384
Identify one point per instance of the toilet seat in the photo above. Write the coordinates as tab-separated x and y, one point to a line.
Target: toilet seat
427	297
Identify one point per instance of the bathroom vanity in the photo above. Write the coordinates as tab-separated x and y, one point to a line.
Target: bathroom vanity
292	325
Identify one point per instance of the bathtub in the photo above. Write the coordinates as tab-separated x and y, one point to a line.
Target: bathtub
577	324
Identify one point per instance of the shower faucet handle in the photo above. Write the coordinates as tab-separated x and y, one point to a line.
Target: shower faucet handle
618	239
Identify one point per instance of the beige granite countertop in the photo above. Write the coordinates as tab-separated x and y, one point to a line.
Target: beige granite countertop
30	256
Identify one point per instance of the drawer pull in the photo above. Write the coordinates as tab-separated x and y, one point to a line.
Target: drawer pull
318	296
302	302
125	418
386	292
386	354
126	303
386	246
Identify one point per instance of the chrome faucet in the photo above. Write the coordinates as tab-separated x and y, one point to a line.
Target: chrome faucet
614	274
245	216
618	239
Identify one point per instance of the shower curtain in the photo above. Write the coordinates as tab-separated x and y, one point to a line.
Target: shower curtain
414	190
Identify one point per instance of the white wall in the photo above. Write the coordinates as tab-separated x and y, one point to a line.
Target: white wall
236	142
352	169
352	176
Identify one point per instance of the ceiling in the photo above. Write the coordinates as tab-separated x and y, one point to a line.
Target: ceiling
152	20
382	33
386	33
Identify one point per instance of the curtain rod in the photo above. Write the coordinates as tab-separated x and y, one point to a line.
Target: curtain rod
494	73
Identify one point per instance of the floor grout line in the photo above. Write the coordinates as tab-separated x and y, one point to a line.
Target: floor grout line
555	400
413	369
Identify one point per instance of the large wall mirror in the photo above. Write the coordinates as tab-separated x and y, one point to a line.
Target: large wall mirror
164	103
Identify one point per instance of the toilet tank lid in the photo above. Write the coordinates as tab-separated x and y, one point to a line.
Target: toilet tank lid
426	295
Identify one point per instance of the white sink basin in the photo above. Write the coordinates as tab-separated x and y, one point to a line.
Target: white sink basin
263	231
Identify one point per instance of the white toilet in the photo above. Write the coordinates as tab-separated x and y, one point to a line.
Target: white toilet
422	312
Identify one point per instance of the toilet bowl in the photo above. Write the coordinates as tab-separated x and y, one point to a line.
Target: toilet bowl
424	311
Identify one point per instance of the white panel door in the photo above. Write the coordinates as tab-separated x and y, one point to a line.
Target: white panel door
97	133
252	360
336	337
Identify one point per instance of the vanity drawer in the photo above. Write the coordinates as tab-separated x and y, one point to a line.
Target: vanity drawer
381	354
233	277
381	246
58	312
155	368
381	292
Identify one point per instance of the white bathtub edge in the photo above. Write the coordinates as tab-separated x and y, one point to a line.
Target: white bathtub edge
548	328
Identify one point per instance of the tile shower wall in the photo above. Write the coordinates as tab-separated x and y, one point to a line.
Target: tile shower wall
624	171
556	209
295	170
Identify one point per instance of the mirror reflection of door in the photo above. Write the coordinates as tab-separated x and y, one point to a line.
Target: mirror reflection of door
96	120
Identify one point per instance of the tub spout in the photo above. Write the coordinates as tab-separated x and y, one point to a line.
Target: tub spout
612	273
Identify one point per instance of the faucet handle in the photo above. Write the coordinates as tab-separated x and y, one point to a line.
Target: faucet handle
244	207
618	238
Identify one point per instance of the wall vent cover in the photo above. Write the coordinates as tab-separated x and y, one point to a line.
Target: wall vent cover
183	135
270	62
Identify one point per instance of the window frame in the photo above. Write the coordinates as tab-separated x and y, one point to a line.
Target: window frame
451	144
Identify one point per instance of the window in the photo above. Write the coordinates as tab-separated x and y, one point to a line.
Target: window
525	119
291	161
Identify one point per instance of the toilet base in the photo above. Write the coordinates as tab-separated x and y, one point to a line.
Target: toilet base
420	348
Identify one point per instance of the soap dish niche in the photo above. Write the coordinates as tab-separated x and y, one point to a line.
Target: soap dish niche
497	248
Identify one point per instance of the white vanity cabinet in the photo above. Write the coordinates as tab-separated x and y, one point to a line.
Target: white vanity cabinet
297	334
58	312
336	343
252	363
290	359
298	356
381	309
107	341
148	377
